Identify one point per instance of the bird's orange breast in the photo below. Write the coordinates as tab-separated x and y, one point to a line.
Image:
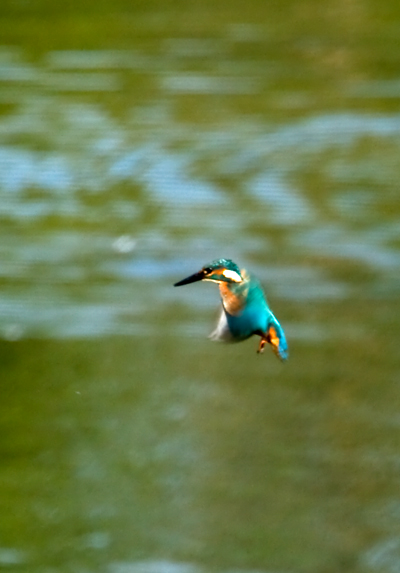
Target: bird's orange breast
233	302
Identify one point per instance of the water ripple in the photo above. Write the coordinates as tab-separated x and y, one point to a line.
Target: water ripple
75	178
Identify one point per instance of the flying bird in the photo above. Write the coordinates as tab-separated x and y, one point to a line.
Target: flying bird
245	310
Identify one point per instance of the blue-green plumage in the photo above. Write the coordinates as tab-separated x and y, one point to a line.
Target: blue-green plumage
245	310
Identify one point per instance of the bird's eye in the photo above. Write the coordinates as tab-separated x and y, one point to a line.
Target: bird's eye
208	270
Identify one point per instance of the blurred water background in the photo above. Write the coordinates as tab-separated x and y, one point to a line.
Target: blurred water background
139	141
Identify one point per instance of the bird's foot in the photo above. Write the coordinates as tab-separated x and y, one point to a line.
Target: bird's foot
260	349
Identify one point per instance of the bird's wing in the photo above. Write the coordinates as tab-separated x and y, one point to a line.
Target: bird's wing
222	331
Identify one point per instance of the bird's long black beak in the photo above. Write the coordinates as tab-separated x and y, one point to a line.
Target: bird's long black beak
192	279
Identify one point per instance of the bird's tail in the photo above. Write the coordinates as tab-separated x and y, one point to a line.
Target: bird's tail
276	338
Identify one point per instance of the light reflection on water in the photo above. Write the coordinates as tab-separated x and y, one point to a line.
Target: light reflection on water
85	150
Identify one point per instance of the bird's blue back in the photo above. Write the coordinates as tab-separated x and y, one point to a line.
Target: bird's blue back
253	315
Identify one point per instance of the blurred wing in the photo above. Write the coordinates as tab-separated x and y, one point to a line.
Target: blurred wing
222	331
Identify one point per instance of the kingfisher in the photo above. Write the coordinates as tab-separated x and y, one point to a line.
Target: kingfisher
245	310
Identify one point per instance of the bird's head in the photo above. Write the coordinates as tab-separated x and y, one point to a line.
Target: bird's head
219	271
